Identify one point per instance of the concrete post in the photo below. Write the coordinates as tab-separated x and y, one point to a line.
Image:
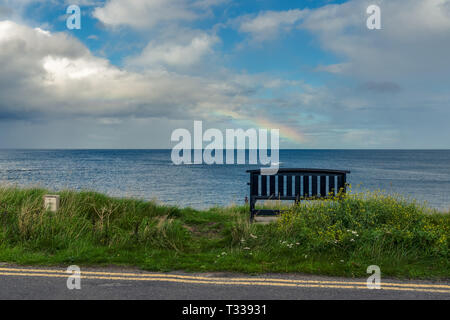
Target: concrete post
51	202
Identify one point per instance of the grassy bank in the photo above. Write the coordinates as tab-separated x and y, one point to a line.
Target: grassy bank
327	237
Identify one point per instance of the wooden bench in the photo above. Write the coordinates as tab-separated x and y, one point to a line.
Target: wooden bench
294	184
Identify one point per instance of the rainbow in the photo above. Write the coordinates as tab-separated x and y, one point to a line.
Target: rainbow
285	131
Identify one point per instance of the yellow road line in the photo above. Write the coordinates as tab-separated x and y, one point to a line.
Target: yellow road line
252	283
155	275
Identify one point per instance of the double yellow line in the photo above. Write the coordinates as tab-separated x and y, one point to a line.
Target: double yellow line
392	286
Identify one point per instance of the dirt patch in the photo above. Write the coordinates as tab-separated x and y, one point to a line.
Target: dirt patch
206	231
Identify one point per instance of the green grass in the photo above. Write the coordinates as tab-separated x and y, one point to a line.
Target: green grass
331	237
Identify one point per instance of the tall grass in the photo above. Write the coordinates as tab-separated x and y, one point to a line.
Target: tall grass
86	216
340	236
371	224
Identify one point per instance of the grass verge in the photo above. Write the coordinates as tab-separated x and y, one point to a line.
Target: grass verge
341	238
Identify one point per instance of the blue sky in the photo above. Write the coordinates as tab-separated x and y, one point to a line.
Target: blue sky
139	69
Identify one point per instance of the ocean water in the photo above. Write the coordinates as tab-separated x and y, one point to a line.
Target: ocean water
150	174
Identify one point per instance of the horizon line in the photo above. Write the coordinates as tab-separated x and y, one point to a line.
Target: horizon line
289	149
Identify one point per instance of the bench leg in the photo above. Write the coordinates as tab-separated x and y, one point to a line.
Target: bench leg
252	210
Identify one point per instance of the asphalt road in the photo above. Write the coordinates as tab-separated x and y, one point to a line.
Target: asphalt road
114	283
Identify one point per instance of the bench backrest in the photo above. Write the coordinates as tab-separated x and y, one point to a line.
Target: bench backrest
297	184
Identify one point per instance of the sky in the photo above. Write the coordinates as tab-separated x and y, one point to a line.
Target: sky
139	69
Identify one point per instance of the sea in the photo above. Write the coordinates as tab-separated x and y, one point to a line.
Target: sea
423	175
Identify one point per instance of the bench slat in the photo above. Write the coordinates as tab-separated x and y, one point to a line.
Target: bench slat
306	186
333	185
272	186
314	186
297	186
323	186
280	186
289	186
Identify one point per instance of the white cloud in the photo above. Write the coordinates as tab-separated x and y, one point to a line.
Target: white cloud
176	54
413	41
268	24
65	80
145	14
63	77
